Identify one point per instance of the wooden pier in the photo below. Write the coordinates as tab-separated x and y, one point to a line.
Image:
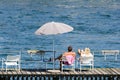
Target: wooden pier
96	74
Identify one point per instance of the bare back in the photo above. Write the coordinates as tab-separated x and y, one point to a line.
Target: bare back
69	53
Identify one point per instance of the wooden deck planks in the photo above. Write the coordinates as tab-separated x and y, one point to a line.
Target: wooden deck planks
118	70
14	72
115	71
104	71
23	72
38	73
110	71
97	71
95	74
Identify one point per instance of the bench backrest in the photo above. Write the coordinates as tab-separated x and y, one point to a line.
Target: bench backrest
110	52
13	58
86	60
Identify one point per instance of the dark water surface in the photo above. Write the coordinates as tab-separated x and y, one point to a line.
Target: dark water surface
96	25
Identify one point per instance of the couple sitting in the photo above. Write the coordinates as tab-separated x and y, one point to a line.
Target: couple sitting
70	55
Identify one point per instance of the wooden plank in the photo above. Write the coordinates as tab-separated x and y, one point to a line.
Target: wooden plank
105	71
71	72
85	72
28	72
4	73
54	71
102	71
76	73
43	73
1	73
48	74
93	72
14	72
66	73
90	72
38	72
110	71
57	73
81	72
19	72
113	69
97	71
118	70
33	72
24	72
61	72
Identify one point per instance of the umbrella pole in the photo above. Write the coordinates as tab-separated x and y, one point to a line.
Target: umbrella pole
53	56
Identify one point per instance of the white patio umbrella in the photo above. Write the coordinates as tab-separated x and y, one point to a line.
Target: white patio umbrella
53	28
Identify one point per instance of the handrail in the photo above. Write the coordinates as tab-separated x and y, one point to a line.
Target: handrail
26	60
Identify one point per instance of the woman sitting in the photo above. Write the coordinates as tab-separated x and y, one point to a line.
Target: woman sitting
85	52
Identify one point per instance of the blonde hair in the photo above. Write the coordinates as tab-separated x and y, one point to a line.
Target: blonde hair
87	50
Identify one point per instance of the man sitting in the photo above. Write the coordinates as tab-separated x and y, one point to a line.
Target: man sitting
68	55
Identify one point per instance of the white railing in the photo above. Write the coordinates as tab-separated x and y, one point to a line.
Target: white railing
34	61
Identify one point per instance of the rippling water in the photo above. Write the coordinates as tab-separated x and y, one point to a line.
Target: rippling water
96	24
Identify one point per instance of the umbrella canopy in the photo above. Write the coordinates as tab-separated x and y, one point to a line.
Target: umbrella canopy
53	28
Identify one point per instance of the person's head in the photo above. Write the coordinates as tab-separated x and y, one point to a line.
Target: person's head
69	48
87	50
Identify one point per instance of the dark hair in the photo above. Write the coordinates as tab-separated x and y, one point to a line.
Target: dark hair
69	48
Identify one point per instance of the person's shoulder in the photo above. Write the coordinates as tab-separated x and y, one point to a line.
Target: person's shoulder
91	54
65	53
74	52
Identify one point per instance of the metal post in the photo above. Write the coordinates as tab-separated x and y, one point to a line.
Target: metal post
53	56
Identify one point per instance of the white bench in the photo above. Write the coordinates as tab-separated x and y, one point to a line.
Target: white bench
87	61
110	52
11	61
